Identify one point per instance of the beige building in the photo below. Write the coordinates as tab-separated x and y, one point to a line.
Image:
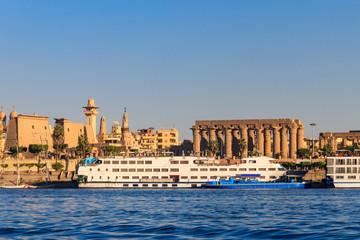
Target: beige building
72	131
147	139
266	136
340	139
167	138
28	129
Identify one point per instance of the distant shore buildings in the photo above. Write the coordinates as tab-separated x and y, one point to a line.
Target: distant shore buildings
23	129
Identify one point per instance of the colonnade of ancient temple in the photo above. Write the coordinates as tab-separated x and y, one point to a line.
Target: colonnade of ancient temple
266	136
339	139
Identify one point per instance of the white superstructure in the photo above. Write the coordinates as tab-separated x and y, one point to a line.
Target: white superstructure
170	172
344	171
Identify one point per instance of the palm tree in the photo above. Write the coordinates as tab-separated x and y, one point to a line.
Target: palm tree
213	146
242	146
83	145
58	136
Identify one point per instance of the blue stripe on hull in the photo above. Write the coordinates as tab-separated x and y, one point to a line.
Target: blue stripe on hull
259	185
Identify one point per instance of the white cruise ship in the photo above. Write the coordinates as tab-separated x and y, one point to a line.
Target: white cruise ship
344	171
170	172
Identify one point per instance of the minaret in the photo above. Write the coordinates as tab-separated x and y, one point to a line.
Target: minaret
126	135
91	112
102	136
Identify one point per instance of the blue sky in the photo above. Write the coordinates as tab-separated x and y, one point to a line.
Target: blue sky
174	62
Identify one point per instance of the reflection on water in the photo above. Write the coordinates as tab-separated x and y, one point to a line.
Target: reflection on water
180	214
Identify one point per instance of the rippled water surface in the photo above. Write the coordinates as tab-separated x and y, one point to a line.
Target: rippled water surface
179	214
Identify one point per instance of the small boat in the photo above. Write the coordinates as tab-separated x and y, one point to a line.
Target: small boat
15	186
252	183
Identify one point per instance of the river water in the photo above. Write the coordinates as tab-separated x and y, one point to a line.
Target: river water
179	214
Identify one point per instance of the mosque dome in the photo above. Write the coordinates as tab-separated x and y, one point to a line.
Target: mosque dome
13	114
2	114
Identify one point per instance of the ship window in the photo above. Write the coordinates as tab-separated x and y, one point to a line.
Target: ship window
108	177
194	177
148	169
252	161
148	162
213	169
232	169
262	169
262	177
252	169
115	162
164	170
174	170
92	177
340	177
174	162
125	185
90	169
203	169
354	162
174	185
340	170
184	177
330	170
135	177
140	170
126	177
272	169
194	169
107	169
184	162
135	185
164	185
156	169
340	161
140	162
330	162
98	169
107	162
203	177
145	177
100	177
123	162
164	177
132	162
132	170
145	185
223	169
244	161
351	177
116	177
154	185
193	185
154	177
354	170
348	161
348	170
272	177
124	170
242	169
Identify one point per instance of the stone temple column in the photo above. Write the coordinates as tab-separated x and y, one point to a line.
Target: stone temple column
212	134
220	138
196	144
235	145
268	142
244	135
300	137
284	142
260	140
276	135
228	142
204	140
251	139
293	132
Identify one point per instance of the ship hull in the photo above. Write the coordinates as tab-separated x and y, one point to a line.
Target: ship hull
257	185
